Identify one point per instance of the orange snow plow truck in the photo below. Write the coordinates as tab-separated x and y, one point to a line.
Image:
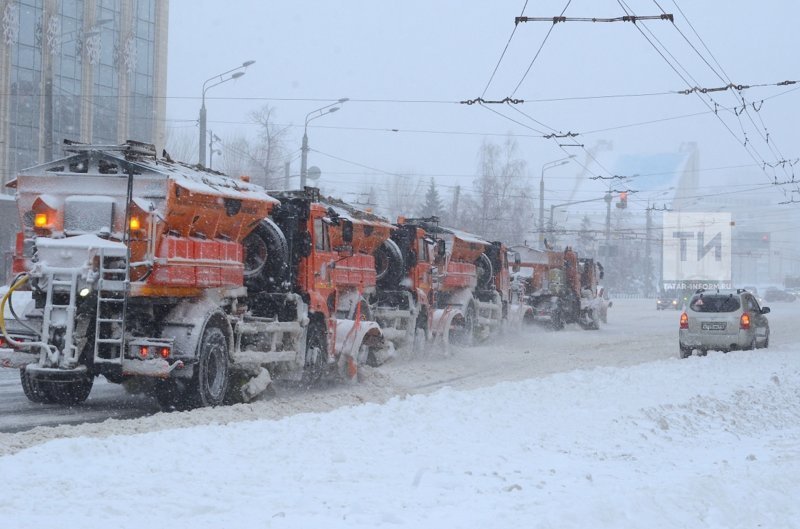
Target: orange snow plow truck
559	286
194	286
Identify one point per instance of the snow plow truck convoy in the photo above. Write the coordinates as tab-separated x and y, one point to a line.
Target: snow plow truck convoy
201	289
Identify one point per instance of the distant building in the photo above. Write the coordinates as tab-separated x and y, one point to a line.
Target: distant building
92	71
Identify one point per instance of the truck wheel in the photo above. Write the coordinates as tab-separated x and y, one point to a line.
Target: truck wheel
33	390
316	363
209	382
556	320
421	325
64	392
266	257
484	270
463	332
69	393
389	264
594	321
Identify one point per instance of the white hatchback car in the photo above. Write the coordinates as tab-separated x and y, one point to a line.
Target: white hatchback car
723	320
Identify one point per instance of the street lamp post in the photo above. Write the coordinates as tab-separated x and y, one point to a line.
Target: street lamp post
548	165
304	149
233	73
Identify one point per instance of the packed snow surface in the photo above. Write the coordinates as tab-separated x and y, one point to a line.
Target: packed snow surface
709	441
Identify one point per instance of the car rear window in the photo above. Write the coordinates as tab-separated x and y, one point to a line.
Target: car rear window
715	303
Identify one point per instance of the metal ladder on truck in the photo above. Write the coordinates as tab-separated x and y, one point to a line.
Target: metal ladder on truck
112	304
56	315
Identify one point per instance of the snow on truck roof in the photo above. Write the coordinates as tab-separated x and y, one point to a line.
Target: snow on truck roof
466	237
110	160
351	213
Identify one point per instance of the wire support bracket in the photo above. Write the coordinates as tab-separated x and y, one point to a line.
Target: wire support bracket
626	18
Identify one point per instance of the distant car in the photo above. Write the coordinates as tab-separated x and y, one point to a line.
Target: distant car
753	290
667	300
776	294
723	320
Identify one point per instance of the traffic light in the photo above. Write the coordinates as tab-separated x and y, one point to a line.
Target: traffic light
764	239
623	200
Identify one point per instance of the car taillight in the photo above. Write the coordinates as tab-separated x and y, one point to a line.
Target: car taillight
744	321
684	321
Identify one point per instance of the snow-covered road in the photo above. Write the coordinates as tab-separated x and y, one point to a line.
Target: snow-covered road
570	429
636	333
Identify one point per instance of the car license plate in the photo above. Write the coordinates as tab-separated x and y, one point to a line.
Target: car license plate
713	325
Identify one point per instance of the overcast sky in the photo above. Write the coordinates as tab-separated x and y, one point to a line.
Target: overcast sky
406	65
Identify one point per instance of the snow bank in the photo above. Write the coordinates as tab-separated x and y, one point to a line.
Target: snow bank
705	442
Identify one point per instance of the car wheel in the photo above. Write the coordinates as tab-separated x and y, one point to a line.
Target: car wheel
686	352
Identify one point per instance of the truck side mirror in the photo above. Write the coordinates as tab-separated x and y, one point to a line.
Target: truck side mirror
347	231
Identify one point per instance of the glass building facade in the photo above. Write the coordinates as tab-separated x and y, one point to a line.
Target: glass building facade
92	71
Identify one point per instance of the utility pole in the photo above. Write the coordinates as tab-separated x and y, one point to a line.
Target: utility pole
456	194
648	263
608	200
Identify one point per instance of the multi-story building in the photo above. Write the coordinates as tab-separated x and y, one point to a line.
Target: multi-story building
91	71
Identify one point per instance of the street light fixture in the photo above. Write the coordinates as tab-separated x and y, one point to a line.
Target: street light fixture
304	149
219	78
548	165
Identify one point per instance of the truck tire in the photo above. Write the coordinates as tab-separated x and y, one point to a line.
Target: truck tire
557	317
316	358
69	393
63	391
485	271
266	257
31	387
463	333
210	377
389	264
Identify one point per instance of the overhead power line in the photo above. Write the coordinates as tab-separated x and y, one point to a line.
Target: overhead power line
730	86
536	56
503	54
626	18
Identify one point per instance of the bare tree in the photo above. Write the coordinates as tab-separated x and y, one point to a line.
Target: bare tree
261	158
503	205
237	159
270	151
403	195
